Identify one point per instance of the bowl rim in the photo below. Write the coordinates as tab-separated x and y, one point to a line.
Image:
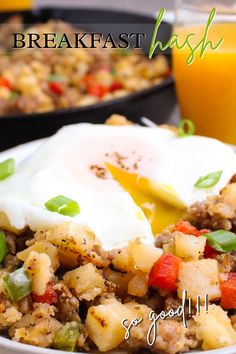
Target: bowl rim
21	348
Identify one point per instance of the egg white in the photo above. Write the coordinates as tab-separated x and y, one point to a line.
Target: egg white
63	166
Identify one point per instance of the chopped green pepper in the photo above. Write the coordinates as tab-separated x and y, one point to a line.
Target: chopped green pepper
66	337
14	95
55	78
18	284
3	246
113	71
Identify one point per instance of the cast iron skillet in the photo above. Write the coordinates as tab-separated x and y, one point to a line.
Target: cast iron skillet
155	103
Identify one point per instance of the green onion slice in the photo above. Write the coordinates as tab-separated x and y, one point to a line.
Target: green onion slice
3	246
63	205
221	240
186	128
7	168
18	284
209	180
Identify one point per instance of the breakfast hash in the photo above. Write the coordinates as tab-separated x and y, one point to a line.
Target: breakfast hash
40	80
65	283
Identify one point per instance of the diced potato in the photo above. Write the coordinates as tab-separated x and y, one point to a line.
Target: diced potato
139	311
3	273
117	119
229	194
39	268
189	247
214	328
160	65
199	278
118	278
27	83
142	313
73	241
86	281
8	317
42	247
144	256
104	324
5	93
137	256
123	261
37	327
138	285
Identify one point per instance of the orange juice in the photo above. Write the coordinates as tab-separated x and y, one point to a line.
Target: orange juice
206	89
11	5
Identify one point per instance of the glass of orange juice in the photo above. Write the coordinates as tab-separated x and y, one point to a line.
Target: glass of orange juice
12	5
206	89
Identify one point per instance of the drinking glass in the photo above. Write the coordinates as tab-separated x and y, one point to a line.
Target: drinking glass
12	5
206	89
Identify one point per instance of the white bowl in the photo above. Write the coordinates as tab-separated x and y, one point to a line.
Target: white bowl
7	346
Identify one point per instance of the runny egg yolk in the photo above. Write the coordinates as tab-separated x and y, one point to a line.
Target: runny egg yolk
159	213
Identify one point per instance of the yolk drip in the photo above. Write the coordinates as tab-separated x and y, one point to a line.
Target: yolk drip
159	213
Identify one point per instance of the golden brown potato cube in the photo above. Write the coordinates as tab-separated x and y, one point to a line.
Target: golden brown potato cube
104	324
74	242
199	278
37	327
188	246
137	256
39	268
144	256
42	247
117	119
214	328
121	280
86	281
138	285
124	261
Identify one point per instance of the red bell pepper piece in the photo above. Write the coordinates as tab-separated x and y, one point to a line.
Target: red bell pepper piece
87	79
98	90
228	292
49	297
168	73
116	85
210	252
56	87
94	89
5	83
187	228
164	273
